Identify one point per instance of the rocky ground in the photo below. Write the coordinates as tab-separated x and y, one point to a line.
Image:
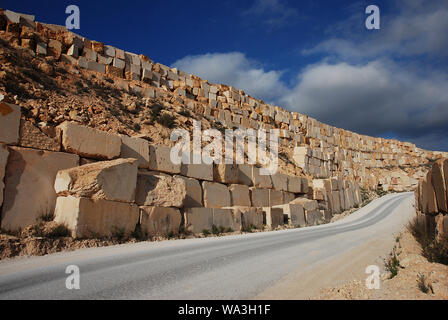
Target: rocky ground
417	278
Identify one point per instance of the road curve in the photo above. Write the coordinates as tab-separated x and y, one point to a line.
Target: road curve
232	267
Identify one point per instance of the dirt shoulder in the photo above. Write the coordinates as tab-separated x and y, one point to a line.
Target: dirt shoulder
415	275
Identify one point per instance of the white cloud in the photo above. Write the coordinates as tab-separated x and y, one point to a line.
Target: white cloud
418	29
374	98
236	70
274	13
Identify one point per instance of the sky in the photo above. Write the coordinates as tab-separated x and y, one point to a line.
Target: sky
309	56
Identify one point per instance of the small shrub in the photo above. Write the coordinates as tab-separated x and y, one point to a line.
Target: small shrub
229	230
118	233
170	235
222	229
393	265
422	284
215	230
138	233
59	231
47	217
185	113
205	232
167	120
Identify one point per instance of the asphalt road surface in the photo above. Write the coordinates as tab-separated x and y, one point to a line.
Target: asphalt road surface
232	267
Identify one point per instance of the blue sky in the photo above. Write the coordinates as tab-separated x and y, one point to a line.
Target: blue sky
314	57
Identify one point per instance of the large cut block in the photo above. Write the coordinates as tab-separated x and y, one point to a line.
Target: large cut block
9	123
160	160
29	185
307	204
194	192
296	214
240	195
227	219
160	221
294	184
87	218
313	217
160	190
136	148
198	219
198	171
438	181
259	197
245	174
336	200
250	217
225	173
3	160
259	180
275	198
273	217
280	181
216	195
90	143
114	180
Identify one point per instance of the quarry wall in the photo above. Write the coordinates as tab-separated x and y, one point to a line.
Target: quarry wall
96	182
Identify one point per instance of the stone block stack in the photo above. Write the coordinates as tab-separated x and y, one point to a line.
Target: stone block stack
431	198
40	168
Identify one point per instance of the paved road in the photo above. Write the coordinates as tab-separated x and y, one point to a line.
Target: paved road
233	267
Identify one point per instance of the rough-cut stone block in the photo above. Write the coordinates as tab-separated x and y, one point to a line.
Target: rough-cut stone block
313	217
275	198
54	48
9	123
198	171
250	217
88	142
160	190
160	160
216	195
296	214
198	219
29	185
114	180
274	217
87	218
194	192
136	148
305	185
280	181
342	200
438	181
294	184
261	181
336	201
3	160
245	174
225	173
227	219
160	221
445	173
307	204
95	66
114	71
118	63
288	197
259	197
240	195
33	137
